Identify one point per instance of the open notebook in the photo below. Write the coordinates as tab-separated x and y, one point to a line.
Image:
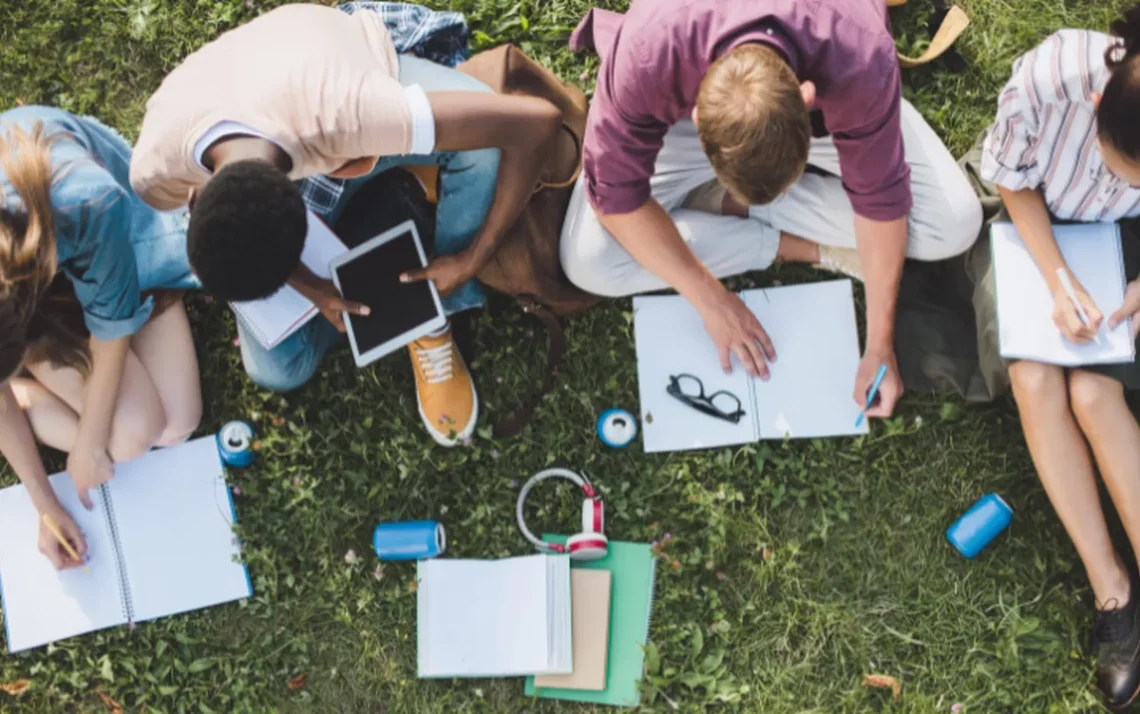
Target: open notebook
1025	306
274	318
160	541
813	329
494	618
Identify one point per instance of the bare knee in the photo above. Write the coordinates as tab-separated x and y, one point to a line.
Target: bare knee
1090	392
1037	385
136	428
181	422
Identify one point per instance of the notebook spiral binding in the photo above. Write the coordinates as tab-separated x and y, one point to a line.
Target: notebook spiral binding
120	565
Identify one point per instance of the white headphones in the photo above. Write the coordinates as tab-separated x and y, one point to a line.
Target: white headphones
591	543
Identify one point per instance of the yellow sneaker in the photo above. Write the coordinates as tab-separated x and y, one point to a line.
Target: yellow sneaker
445	392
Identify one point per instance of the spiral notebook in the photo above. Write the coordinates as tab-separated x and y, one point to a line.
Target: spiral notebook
1026	330
808	394
160	540
278	316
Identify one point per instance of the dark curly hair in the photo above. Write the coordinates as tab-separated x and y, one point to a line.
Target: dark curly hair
1119	109
247	229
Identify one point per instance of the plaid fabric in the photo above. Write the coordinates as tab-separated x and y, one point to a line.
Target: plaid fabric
434	35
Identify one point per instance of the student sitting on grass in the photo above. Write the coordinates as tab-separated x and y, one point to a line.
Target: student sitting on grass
1066	145
90	365
306	90
694	164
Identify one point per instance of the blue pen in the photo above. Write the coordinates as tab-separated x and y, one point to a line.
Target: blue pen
871	395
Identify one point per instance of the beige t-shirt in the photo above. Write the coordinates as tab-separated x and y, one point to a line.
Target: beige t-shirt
318	82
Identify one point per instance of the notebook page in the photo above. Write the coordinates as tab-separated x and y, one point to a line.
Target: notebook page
1025	305
41	604
482	618
671	340
274	318
175	524
813	329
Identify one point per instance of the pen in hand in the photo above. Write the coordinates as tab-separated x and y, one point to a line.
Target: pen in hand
872	394
55	531
1067	285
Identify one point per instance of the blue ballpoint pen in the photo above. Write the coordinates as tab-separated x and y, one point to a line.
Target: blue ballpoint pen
871	395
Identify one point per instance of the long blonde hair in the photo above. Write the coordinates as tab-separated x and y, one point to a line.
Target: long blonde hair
38	313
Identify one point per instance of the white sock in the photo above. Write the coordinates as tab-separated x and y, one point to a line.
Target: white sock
441	331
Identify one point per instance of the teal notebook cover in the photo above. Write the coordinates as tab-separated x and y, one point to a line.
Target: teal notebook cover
633	567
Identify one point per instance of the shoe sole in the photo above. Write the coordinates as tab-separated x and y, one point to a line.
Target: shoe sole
468	429
1128	704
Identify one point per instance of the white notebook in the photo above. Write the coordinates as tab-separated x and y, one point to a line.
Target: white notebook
1025	305
160	541
813	329
274	318
494	618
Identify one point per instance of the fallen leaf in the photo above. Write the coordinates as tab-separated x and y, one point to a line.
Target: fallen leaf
17	687
882	681
114	706
296	682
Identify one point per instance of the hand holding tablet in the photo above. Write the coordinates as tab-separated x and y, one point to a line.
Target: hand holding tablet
447	273
399	312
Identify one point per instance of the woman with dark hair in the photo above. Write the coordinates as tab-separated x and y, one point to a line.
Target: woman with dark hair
89	363
1066	146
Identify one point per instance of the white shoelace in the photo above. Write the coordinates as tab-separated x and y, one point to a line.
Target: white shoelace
436	363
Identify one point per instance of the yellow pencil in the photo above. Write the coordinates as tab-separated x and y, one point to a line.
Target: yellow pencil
55	531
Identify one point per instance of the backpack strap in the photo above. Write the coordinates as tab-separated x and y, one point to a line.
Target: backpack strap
953	25
514	425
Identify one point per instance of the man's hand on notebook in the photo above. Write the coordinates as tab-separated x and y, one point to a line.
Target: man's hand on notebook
890	389
736	331
447	272
54	550
1068	319
1130	308
333	306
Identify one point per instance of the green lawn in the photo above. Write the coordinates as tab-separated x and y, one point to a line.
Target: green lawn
794	570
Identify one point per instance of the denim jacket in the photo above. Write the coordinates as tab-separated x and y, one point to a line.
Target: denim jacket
110	244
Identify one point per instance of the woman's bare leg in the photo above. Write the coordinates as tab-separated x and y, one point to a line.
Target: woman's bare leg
1061	456
53	422
165	346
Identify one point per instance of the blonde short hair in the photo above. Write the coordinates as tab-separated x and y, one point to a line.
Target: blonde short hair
753	123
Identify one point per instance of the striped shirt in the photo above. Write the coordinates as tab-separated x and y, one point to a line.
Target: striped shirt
1044	136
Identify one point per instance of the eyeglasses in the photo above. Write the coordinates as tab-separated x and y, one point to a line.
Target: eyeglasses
690	390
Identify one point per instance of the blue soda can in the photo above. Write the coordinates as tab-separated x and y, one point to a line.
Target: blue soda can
235	444
617	428
980	525
409	540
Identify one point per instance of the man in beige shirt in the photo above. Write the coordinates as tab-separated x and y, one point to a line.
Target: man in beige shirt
306	90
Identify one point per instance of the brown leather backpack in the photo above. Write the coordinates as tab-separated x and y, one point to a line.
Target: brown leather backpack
526	264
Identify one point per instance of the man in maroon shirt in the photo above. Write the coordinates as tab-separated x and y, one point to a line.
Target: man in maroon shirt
652	212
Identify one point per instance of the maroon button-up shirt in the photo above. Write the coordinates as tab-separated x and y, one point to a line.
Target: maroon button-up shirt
655	56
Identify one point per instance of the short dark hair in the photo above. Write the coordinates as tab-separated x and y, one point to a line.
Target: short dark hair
247	230
1120	104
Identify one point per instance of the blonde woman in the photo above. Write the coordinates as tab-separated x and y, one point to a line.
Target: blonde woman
90	363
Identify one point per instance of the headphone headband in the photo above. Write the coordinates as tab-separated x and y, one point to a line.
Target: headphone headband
538	478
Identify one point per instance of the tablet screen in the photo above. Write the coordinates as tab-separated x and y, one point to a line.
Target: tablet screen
374	280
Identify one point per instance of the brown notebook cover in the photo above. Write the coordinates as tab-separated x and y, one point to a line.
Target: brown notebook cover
590	614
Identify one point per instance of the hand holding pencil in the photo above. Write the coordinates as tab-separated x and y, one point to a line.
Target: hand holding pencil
61	540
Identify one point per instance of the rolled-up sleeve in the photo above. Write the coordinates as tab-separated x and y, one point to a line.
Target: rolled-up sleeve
872	158
103	270
1009	158
624	134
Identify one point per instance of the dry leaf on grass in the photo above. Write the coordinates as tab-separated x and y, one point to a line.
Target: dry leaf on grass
114	706
882	681
296	682
17	687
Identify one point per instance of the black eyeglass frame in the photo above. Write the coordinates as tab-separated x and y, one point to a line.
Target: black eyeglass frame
703	403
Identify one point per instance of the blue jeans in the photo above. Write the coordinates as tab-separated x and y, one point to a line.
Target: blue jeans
467	189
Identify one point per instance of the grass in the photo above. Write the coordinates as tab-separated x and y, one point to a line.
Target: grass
794	569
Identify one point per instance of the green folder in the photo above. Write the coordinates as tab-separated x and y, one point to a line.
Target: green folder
633	567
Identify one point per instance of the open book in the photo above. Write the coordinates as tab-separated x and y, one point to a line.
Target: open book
274	318
1025	306
494	618
812	327
160	541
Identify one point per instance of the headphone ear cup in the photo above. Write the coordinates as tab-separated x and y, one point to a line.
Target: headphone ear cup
585	547
593	516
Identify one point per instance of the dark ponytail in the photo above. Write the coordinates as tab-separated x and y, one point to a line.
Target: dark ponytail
1118	116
